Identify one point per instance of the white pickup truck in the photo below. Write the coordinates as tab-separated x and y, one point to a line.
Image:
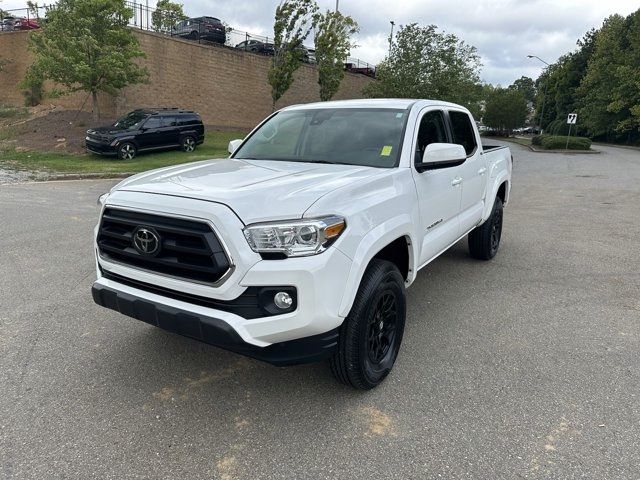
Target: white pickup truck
300	245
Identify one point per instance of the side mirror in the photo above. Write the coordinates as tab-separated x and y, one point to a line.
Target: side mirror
233	145
442	155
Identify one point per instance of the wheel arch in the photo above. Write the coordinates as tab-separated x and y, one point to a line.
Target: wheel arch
396	246
131	140
501	188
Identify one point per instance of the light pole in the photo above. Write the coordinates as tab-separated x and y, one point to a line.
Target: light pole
337	3
544	94
391	36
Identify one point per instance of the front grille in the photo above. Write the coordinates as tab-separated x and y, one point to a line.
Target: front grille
188	250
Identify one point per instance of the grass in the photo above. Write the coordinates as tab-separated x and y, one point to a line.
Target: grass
9	112
214	146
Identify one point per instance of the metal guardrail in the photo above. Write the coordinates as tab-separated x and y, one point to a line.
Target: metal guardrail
142	18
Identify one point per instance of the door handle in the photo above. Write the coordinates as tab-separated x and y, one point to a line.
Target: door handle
456	181
482	171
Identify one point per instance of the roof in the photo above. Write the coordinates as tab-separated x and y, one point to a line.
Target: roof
173	110
394	103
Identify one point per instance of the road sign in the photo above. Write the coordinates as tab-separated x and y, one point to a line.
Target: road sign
572	118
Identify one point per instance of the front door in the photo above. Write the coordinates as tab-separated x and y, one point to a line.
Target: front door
150	135
439	191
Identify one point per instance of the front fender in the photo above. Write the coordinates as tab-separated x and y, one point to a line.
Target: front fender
369	246
128	138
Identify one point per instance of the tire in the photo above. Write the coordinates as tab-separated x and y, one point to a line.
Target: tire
127	151
195	35
188	144
484	240
367	348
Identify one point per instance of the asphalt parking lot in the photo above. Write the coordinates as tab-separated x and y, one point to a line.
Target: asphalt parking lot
524	367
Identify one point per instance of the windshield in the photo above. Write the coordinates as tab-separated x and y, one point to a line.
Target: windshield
355	136
131	121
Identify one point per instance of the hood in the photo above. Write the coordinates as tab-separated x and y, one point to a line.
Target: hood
257	190
106	130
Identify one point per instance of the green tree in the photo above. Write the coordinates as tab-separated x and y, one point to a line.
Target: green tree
506	109
34	9
86	46
293	23
610	90
426	63
166	15
560	82
526	86
333	44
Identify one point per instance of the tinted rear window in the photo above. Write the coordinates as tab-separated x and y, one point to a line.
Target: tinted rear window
463	133
189	119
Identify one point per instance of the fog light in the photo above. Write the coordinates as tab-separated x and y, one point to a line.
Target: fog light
283	300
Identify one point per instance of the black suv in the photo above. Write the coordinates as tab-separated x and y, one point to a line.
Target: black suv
147	129
201	28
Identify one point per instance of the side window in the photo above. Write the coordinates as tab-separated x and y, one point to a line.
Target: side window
169	121
432	130
152	122
188	120
463	133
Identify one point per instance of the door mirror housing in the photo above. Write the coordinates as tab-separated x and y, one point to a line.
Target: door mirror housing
233	145
442	155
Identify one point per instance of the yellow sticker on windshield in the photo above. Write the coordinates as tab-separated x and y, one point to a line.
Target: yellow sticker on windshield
386	151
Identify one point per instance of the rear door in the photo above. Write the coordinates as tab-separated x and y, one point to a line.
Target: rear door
473	171
439	191
169	130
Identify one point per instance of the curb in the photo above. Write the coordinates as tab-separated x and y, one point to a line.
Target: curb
613	145
566	152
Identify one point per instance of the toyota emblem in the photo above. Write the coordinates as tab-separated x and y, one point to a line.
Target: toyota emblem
146	240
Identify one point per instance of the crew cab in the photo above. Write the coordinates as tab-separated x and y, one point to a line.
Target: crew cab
299	247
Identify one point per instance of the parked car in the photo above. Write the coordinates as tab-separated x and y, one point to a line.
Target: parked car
299	246
366	70
147	129
312	56
7	24
256	46
25	24
201	28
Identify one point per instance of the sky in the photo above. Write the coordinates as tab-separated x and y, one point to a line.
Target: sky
503	31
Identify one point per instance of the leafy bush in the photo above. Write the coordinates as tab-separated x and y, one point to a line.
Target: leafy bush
558	142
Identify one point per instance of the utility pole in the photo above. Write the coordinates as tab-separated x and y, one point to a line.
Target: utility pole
391	37
544	94
337	4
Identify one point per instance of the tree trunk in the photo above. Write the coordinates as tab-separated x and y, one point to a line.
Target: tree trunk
94	106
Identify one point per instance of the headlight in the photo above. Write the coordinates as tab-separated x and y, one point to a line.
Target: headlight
295	238
102	198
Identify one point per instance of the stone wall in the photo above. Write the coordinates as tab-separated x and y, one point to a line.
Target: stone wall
227	87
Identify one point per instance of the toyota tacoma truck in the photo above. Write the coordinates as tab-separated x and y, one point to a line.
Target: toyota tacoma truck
299	247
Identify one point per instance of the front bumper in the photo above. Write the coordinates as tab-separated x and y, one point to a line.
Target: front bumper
214	331
319	281
100	148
